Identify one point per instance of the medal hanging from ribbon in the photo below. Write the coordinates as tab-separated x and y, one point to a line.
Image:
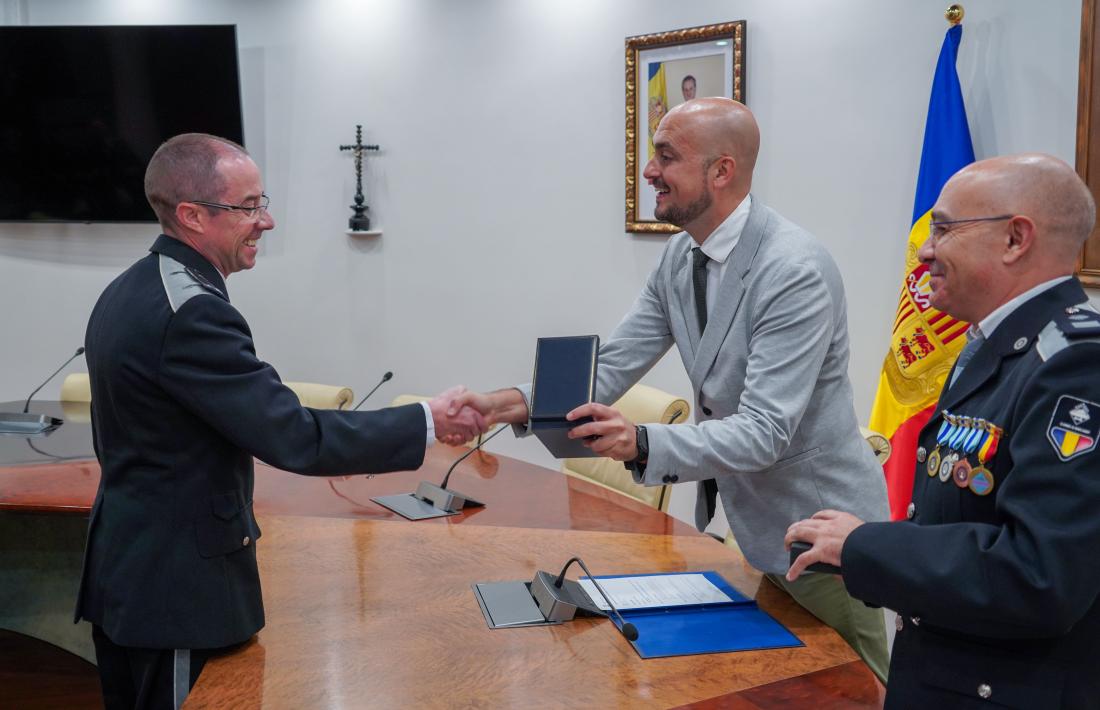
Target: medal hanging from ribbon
954	438
981	478
962	470
941	439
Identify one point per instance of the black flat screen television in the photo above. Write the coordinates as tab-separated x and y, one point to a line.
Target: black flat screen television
82	109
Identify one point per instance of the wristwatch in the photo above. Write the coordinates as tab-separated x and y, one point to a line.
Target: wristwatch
642	444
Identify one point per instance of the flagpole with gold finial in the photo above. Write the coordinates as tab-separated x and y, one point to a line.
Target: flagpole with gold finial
955	14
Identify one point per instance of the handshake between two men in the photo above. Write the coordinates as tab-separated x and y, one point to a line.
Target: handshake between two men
461	415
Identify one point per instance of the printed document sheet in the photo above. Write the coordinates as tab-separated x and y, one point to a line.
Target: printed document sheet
658	590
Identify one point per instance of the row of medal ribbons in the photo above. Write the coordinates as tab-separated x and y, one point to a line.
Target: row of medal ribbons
958	438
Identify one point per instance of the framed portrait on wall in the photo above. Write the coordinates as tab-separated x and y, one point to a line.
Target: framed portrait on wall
664	70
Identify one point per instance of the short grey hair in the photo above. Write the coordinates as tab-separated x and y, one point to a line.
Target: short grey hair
185	168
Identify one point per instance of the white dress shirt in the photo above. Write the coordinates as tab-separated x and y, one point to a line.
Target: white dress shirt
719	245
988	324
430	421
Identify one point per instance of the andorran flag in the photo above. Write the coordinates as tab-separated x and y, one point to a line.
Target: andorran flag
924	342
658	101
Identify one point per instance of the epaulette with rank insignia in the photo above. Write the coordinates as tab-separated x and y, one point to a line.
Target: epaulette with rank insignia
1077	322
203	281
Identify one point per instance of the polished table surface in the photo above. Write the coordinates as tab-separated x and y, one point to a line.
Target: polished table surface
367	609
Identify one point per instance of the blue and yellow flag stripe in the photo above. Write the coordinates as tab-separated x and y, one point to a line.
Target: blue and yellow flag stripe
924	341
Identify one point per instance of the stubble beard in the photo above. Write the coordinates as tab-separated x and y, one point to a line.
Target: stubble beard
686	214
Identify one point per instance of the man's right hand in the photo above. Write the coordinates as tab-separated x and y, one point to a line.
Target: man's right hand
505	406
455	424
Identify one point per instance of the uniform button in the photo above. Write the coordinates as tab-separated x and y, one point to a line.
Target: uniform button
911	511
674	478
922	454
706	411
666	479
898	623
984	691
246	540
1020	343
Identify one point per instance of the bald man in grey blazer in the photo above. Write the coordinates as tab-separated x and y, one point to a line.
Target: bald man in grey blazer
755	305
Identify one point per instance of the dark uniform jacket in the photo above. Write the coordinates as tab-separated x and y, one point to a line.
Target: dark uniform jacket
996	583
180	405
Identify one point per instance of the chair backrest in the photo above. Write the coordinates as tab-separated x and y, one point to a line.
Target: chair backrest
318	396
76	388
402	399
641	404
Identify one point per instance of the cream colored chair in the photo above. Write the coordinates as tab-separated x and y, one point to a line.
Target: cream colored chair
76	398
76	388
641	404
317	396
403	399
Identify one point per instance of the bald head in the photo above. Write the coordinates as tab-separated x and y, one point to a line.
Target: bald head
1038	186
704	154
184	169
719	127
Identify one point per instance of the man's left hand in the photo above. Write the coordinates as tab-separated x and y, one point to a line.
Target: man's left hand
616	435
827	531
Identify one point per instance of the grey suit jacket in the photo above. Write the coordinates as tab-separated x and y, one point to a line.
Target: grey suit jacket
776	427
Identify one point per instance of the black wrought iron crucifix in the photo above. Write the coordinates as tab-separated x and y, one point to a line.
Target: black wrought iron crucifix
359	221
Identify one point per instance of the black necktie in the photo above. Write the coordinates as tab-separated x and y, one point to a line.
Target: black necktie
699	282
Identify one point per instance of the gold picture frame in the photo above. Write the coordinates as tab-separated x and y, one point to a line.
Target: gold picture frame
701	61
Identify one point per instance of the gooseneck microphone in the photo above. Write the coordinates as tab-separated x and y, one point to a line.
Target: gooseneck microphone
630	631
464	456
385	378
27	405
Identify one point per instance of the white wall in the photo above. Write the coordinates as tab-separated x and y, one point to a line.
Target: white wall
500	183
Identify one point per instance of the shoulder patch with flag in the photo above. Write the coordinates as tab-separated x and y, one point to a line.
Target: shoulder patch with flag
1074	427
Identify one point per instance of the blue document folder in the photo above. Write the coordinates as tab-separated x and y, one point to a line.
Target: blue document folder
736	625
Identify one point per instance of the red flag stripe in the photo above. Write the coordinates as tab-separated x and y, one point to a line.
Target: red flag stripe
901	320
956	334
902	463
947	326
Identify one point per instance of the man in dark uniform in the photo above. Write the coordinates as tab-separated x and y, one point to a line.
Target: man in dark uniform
994	575
180	406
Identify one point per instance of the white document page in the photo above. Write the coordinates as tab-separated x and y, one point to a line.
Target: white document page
655	591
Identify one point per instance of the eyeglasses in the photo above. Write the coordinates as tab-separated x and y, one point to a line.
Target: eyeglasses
249	211
938	230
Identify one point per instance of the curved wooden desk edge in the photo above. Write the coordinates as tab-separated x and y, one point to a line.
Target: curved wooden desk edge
516	493
362	609
848	686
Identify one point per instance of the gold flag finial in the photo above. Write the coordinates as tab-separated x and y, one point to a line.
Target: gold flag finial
955	14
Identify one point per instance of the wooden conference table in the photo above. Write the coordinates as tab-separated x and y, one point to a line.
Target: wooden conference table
366	609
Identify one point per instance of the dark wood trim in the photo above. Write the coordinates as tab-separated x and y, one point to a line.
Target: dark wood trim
1088	140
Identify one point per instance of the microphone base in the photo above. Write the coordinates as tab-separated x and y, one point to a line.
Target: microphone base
509	605
23	424
561	603
429	501
444	498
